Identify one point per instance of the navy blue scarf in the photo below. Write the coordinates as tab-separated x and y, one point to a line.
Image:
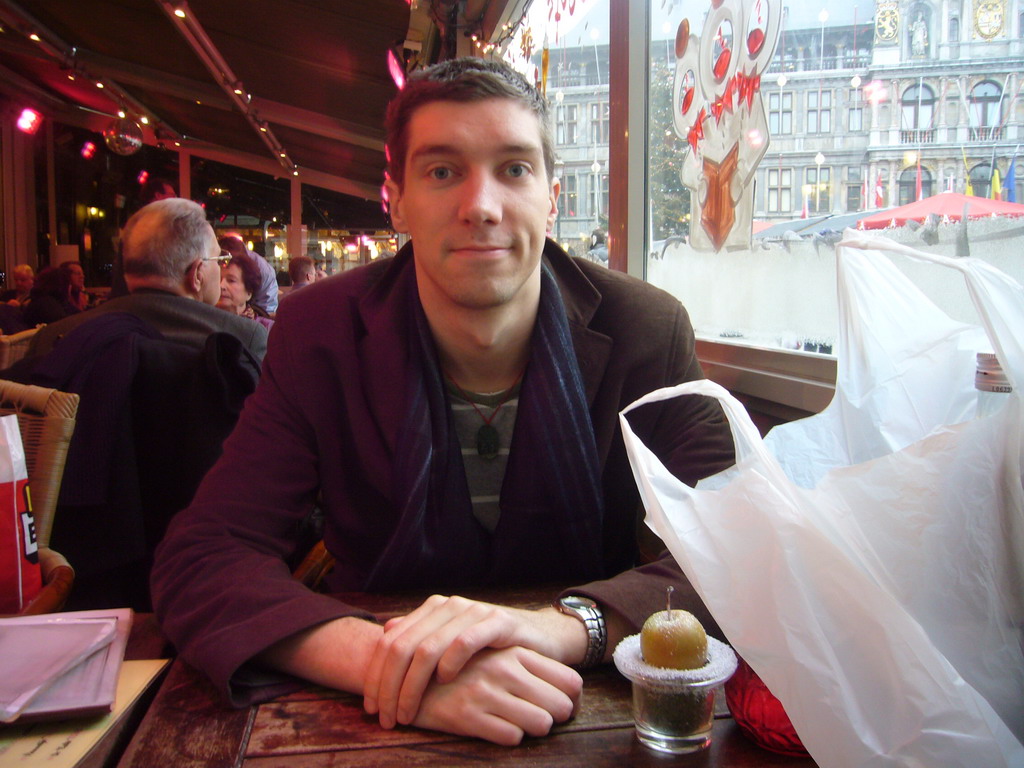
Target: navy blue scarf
552	508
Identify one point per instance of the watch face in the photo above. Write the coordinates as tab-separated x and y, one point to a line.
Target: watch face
988	18
575	601
887	23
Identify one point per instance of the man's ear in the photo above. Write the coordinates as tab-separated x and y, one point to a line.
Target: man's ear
194	278
395	206
556	189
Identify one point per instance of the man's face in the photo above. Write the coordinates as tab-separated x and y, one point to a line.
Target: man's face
209	290
23	282
477	203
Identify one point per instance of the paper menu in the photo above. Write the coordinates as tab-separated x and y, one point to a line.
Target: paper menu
64	744
62	664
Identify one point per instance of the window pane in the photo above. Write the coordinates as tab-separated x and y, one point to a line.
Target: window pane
853	100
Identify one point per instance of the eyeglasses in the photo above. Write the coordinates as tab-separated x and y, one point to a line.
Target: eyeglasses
223	259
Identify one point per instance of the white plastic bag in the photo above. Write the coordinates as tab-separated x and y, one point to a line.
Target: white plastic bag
869	571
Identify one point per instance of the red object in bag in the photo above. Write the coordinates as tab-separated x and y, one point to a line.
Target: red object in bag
761	716
20	577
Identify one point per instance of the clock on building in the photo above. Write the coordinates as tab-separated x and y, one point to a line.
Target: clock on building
988	17
887	21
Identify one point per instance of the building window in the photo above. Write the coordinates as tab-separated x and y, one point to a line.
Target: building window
854	188
984	110
908	184
856	110
566	121
780	190
599	122
918	105
568	201
818	190
981	179
954	29
819	119
780	113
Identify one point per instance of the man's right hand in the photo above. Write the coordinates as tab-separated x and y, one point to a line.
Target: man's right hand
501	695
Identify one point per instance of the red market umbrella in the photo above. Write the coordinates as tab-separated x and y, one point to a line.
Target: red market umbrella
949	206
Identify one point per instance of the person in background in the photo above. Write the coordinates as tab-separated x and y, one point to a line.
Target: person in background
24	278
49	300
321	273
77	296
265	297
239	280
453	412
302	271
171	259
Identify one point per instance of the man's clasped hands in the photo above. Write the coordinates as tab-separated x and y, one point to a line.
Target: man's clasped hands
474	668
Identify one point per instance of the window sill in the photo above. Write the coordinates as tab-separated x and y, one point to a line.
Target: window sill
785	384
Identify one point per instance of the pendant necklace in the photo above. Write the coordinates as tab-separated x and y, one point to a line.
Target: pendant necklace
487	440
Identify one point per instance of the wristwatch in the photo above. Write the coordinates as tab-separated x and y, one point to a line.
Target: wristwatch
587	611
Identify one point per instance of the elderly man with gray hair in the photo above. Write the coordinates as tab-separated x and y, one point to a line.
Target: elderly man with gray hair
172	269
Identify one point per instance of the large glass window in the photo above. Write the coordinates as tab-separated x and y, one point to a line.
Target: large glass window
780	190
985	110
819	188
780	112
565	120
599	122
819	112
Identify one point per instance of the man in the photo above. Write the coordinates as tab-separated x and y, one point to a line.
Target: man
172	270
302	271
481	362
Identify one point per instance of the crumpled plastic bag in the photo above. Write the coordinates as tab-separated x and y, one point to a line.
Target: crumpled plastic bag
866	561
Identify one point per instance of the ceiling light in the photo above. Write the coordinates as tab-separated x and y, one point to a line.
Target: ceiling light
179	13
144	120
34	37
29	121
99	85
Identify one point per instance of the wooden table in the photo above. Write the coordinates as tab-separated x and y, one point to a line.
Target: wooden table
188	726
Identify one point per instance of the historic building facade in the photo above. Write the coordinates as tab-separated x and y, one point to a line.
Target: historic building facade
856	111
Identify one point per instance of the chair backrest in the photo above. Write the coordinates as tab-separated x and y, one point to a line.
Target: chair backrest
15	346
46	418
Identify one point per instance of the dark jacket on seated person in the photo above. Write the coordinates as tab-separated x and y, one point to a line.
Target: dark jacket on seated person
152	417
177	318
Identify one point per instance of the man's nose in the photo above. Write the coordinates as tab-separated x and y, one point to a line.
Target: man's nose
481	199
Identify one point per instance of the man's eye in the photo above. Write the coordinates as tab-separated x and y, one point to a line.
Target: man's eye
440	174
517	170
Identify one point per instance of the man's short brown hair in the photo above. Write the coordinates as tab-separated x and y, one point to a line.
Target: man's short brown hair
462	80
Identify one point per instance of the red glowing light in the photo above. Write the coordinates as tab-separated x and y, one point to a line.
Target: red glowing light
29	121
396	69
142	177
88	150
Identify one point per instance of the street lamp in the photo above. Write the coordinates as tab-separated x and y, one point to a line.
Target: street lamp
818	160
595	167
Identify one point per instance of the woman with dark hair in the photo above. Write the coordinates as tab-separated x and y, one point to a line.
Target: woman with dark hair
75	275
50	299
239	279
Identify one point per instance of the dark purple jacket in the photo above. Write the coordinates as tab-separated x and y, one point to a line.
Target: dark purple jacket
324	419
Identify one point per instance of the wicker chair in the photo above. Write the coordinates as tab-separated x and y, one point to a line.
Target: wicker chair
15	346
46	418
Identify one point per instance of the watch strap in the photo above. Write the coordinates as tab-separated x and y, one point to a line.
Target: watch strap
587	611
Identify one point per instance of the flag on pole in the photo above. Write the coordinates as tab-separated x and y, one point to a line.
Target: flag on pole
917	184
879	191
996	193
1010	182
968	188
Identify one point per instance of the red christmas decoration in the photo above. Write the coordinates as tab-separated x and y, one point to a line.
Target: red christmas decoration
759	714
